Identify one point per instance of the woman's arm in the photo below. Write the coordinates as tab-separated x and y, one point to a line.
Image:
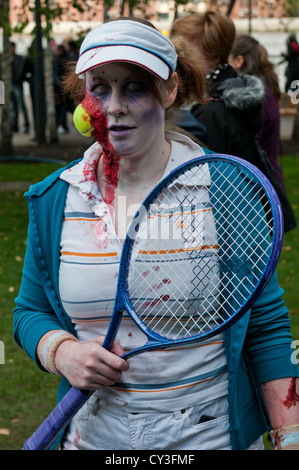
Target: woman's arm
269	348
33	314
282	404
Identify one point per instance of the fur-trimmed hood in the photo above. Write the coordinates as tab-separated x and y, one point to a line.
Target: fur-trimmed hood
242	92
232	112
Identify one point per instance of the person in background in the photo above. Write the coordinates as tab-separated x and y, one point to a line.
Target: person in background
232	111
72	56
18	63
248	56
291	56
72	50
59	67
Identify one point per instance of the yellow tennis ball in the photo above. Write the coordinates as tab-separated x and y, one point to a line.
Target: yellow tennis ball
82	121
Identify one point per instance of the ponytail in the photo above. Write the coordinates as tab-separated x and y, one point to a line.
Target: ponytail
191	86
72	85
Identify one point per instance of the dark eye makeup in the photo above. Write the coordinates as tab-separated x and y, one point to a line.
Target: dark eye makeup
130	86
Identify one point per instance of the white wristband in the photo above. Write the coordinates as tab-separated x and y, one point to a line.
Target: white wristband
50	347
286	438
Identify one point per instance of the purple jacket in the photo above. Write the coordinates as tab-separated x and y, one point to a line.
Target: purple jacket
269	133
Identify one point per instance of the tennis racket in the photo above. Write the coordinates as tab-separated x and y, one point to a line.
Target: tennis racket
197	254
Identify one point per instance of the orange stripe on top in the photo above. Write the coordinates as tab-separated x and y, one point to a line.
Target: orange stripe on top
71	219
176	214
179	250
89	255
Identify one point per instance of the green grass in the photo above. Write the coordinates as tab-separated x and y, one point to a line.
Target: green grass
288	266
28	395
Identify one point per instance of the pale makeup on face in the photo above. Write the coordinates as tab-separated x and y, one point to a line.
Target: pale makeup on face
135	118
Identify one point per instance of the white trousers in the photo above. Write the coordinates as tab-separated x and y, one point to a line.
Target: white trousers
98	426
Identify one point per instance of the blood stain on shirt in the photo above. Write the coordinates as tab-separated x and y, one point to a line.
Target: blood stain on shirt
154	302
161	284
100	229
88	173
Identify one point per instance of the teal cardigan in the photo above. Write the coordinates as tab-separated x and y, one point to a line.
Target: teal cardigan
258	346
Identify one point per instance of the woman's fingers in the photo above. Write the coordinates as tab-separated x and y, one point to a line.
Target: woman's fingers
88	365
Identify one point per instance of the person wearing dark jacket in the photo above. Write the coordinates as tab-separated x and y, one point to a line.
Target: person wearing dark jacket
291	56
232	112
18	77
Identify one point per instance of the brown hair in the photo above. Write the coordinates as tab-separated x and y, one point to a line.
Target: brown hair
212	32
191	86
256	61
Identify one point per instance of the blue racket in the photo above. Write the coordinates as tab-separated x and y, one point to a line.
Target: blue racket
209	236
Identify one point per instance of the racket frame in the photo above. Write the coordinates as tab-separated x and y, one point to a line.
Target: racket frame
155	341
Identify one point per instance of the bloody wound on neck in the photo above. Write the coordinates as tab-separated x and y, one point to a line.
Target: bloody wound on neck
100	133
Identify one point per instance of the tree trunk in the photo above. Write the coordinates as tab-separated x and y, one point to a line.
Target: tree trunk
230	7
39	79
49	92
6	146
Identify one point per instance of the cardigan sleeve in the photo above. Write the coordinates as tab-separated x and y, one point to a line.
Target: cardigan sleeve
33	314
269	343
37	307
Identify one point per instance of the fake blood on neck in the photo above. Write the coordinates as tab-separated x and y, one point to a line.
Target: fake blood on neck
100	133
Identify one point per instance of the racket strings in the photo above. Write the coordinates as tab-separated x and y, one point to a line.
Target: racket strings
200	268
258	208
174	315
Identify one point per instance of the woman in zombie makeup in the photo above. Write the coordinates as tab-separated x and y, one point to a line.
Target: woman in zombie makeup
129	78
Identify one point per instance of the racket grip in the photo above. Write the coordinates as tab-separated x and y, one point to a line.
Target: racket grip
57	420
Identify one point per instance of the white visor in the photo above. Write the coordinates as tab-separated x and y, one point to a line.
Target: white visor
128	41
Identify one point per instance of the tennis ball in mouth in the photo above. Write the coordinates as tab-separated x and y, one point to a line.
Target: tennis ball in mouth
82	121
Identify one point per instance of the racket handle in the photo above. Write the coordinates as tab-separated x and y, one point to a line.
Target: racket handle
57	420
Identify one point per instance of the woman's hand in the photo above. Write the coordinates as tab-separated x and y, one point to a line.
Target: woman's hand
87	365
